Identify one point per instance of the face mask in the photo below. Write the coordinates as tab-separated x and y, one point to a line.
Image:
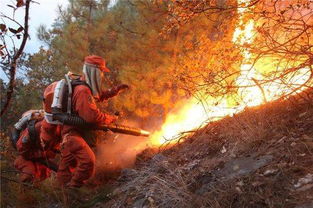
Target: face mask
95	79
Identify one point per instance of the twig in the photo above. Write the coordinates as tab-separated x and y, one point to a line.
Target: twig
262	90
12	180
9	18
14	61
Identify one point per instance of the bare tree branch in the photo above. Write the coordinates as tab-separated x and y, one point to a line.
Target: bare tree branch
13	64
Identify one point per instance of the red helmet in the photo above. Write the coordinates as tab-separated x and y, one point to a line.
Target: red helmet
98	61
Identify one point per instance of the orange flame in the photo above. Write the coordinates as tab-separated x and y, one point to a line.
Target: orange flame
190	116
253	96
193	115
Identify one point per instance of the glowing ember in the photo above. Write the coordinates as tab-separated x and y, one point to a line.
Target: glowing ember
253	91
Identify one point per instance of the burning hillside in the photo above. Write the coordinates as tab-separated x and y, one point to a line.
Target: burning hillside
259	80
225	87
259	158
237	161
254	85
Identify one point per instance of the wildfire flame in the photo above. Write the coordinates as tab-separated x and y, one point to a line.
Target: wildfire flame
253	96
190	116
193	115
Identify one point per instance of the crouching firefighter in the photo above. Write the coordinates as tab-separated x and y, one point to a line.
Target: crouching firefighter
34	161
72	98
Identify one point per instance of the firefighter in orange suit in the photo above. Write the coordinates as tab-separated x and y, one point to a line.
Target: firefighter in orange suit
77	159
31	154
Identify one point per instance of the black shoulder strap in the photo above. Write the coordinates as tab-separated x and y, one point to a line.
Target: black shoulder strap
77	82
66	99
32	130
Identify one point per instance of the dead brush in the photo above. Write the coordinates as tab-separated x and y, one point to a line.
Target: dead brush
17	194
162	185
268	194
258	125
268	129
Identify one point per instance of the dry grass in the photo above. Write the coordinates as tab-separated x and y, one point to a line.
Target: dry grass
189	174
174	177
46	193
167	186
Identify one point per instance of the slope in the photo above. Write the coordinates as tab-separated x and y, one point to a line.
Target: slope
262	157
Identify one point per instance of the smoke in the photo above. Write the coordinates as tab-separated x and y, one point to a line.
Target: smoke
118	151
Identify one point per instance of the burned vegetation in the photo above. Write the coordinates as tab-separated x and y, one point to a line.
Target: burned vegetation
261	157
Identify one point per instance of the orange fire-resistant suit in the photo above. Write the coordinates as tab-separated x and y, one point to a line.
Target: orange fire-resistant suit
30	151
77	159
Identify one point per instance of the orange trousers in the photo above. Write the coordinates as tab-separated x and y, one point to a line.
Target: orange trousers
77	161
31	171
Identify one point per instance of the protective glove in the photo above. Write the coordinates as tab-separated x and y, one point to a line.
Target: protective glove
115	118
112	92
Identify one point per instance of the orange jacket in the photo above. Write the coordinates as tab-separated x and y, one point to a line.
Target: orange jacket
83	104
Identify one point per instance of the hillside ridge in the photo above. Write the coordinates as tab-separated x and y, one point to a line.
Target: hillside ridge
261	157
